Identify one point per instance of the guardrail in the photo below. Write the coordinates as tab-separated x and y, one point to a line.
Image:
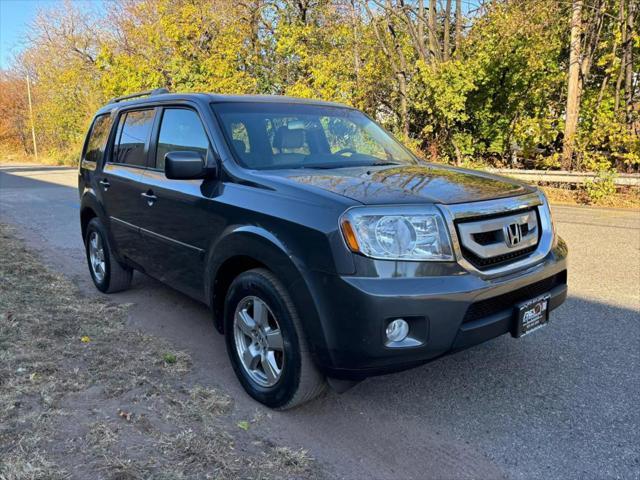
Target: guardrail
559	176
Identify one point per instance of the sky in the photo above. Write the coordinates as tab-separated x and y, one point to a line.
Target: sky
15	17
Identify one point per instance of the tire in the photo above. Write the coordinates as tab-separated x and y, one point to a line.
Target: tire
111	277
298	379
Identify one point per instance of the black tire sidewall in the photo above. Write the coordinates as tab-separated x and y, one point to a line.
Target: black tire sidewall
253	284
96	226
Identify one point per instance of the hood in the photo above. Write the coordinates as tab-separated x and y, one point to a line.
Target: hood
409	184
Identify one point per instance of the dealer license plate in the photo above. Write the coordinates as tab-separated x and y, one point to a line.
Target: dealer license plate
531	315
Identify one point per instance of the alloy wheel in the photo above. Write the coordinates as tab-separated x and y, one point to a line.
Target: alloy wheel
258	341
96	256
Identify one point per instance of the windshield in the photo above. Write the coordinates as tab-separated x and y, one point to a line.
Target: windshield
285	135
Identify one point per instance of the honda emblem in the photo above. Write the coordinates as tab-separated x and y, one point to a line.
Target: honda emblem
512	234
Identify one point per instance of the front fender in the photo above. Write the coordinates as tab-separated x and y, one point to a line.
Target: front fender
266	249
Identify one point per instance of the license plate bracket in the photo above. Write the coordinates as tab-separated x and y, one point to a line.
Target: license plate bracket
531	315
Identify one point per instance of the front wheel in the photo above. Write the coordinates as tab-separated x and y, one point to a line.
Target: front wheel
265	342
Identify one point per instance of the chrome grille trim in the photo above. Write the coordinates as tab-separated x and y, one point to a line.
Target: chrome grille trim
504	206
467	231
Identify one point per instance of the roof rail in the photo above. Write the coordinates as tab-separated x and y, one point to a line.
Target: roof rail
157	91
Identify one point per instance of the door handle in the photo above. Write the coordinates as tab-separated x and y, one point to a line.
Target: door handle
105	184
150	197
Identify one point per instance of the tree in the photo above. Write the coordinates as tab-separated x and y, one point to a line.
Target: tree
627	61
14	113
573	86
501	85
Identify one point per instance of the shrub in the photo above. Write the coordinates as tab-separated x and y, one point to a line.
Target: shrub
601	187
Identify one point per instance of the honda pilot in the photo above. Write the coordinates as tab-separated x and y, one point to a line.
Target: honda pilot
326	250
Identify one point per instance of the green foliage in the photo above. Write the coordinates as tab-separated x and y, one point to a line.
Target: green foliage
601	187
501	94
169	358
440	105
605	139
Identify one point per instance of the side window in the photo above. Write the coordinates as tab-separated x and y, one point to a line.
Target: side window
133	133
181	129
97	139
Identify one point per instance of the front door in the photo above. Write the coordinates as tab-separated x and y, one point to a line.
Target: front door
183	216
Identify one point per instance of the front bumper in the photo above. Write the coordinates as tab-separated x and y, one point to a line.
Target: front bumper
446	313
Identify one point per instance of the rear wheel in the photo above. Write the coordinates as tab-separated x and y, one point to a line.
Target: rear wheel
108	275
265	342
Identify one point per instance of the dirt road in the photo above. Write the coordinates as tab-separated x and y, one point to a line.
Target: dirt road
561	403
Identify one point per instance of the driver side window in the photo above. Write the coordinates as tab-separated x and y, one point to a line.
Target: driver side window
181	129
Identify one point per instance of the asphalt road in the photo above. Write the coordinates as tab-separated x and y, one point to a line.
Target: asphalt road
561	403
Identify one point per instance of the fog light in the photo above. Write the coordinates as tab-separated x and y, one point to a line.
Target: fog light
397	330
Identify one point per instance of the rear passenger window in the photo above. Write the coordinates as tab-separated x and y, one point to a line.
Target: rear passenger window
181	129
133	134
97	140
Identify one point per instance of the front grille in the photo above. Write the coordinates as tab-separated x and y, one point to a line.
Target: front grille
484	263
491	306
488	238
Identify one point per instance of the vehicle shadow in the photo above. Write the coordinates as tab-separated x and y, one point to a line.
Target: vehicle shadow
532	405
560	403
503	407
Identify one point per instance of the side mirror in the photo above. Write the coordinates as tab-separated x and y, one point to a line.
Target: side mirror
185	165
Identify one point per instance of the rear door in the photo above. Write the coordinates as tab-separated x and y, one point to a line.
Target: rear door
184	216
119	182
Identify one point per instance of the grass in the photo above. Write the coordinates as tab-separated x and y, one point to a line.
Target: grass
627	198
82	396
12	154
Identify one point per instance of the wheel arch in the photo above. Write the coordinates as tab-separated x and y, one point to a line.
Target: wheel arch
245	248
86	214
89	208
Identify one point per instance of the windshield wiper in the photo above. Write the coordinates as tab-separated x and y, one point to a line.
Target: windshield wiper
331	166
381	164
323	166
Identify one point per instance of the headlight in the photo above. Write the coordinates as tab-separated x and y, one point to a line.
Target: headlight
397	233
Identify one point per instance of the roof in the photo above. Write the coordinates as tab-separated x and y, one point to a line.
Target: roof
214	98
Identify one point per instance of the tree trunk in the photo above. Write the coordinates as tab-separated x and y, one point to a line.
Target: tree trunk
591	34
404	104
416	32
607	76
421	27
356	43
458	33
303	11
398	62
434	45
623	31
573	87
447	33
401	74
628	62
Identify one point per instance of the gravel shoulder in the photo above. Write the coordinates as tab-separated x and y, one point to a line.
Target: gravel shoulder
82	396
562	403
